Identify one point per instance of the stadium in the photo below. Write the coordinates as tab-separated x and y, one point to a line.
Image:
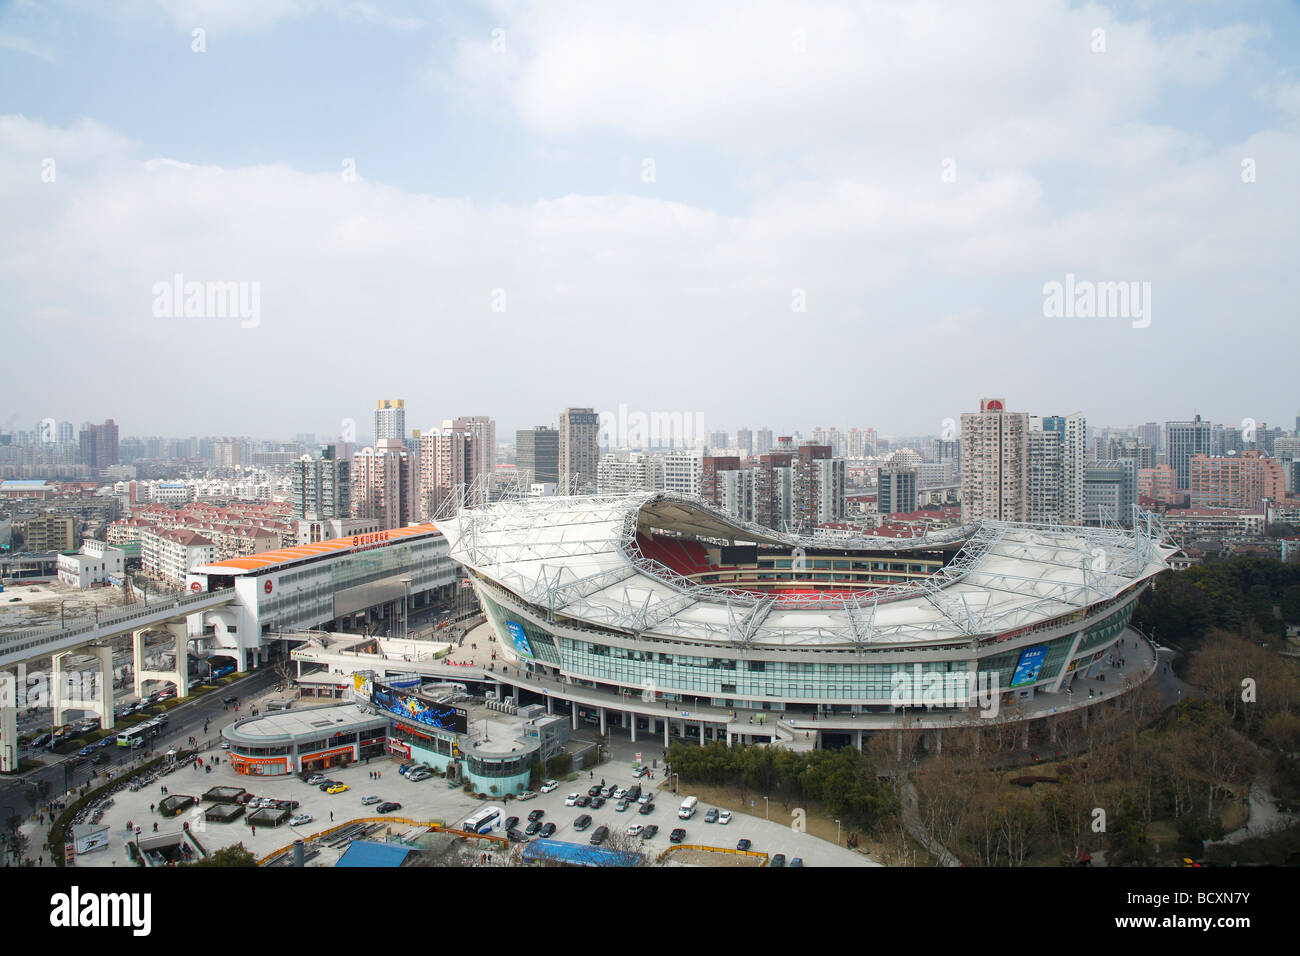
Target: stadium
660	597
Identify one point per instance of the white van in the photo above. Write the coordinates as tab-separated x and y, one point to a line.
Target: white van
687	809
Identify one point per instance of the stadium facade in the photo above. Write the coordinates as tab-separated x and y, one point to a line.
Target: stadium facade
660	597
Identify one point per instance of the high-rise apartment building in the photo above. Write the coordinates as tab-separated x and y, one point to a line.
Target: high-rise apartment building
1109	491
683	472
994	452
537	454
99	444
762	441
321	487
390	419
1185	440
624	474
896	484
745	441
1237	481
384	485
579	449
1044	473
819	487
484	431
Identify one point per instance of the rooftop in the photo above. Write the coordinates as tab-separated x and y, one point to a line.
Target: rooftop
279	557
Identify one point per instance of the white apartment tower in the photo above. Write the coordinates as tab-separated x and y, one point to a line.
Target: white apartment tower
994	462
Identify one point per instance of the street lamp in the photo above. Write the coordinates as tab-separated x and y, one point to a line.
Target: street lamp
837	832
676	779
766	807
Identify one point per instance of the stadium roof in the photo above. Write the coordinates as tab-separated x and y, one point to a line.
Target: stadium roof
268	560
578	557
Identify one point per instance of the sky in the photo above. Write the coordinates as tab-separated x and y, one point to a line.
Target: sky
754	213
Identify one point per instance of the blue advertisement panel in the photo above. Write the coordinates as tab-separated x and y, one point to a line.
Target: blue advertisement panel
519	638
1031	662
441	716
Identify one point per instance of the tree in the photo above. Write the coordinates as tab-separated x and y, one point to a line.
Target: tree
235	855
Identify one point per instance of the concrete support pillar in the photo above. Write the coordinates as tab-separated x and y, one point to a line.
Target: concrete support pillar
1025	745
573	712
137	662
938	741
603	723
58	697
104	654
633	726
8	722
549	705
665	733
857	740
181	639
701	733
729	737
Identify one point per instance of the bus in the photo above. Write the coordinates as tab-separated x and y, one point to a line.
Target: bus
133	737
485	821
687	809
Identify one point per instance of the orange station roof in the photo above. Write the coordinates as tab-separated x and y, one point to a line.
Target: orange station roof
282	556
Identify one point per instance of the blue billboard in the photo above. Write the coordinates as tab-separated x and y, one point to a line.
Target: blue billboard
519	638
441	716
1031	662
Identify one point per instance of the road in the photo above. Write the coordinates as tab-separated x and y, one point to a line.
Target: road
184	720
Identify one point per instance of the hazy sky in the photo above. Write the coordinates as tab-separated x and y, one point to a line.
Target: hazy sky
509	208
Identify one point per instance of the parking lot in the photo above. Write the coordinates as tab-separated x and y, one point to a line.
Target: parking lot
429	800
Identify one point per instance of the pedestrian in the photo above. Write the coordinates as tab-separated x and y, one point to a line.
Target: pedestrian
254	831
151	808
155	826
331	816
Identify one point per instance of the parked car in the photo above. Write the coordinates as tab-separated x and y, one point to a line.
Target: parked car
548	829
797	862
511	823
620	793
711	816
634	792
315	779
549	785
584	801
299	819
593	791
371	800
338	788
582	822
388	807
724	817
621	806
645	797
678	835
650	831
326	784
515	836
536	815
597	802
598	835
634	829
743	844
528	795
778	859
571	800
608	790
646	809
533	827
641	772
415	776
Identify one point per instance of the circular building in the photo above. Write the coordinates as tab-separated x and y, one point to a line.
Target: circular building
665	602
